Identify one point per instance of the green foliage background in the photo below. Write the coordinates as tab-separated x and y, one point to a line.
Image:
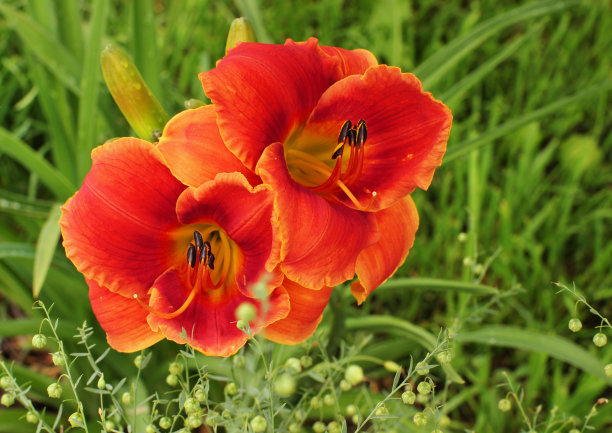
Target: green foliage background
527	177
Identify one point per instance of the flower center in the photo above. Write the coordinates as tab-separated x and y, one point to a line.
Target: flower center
331	177
203	270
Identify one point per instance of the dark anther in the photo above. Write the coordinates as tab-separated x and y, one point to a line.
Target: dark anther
345	129
211	261
338	152
198	240
203	255
191	255
352	137
362	134
361	122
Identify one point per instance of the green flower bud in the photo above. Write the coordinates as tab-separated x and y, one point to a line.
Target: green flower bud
231	389
57	359
444	421
299	415
329	400
241	30
175	368
316	402
293	365
109	425
200	395
294	428
445	357
391	366
226	414
424	387
194	420
5	382
351	410
243	325
101	383
600	339
139	360
191	405
345	385
608	370
421	368
127	398
193	103
76	420
355	419
54	390
32	417
354	374
7	399
150	429
575	324
306	361
284	385
419	419
172	380
246	311
39	341
259	424
140	108
165	422
408	397
504	404
381	410
334	427
318	427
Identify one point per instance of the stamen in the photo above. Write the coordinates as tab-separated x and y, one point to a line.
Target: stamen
211	261
362	134
346	126
199	241
191	255
338	151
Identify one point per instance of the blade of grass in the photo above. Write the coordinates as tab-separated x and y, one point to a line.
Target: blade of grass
427	284
90	84
70	31
251	10
46	48
49	175
553	345
439	64
45	248
402	328
144	44
514	124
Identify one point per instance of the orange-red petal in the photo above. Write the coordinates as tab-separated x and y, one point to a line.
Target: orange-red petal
320	240
209	321
352	61
194	151
306	311
245	213
115	228
261	92
397	225
123	320
407	131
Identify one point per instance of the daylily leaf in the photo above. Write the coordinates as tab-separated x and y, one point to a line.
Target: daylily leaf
438	284
45	248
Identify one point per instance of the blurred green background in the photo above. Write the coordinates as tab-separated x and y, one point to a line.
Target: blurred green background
522	200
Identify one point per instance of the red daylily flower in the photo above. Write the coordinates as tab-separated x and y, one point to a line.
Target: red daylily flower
163	259
342	141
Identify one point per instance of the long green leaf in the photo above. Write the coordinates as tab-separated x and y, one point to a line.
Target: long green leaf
438	65
45	248
403	328
90	85
50	52
524	339
514	124
54	179
427	284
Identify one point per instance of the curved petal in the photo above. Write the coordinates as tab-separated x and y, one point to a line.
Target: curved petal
261	92
123	320
398	225
116	226
352	61
407	131
305	314
320	240
245	213
209	321
194	151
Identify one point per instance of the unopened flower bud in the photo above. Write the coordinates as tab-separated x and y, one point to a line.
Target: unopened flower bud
504	405
200	395
5	382
600	339
306	361
165	422
194	420
175	368
328	400
421	368
191	405
246	312
101	383
39	341
334	427
137	103
294	428
76	420
139	360
150	428
393	367
54	390
193	103
109	425
608	370
127	398
345	385
381	410
318	427
284	385
7	399
293	365
355	419
408	397
316	402
351	410
354	374
231	389
575	324
424	387
419	419
57	359
32	417
445	357
241	30
172	380
243	325
259	424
